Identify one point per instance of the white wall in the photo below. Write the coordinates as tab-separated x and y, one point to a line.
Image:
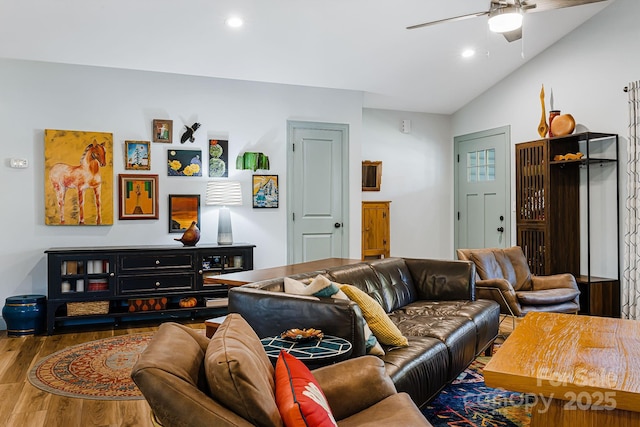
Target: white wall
417	177
587	71
252	116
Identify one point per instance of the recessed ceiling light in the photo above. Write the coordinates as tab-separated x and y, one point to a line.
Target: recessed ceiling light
468	53
234	22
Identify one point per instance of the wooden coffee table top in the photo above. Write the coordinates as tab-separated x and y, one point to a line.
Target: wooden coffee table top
250	276
563	355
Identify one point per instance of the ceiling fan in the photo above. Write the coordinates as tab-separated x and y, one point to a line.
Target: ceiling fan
505	16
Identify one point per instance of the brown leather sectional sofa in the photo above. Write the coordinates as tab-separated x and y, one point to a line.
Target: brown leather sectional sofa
433	303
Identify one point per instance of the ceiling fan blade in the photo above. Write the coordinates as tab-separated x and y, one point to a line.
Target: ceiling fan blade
455	18
542	5
514	35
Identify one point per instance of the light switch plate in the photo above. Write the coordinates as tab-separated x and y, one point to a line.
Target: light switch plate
19	163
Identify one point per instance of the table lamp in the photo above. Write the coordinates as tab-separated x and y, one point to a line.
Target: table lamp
224	193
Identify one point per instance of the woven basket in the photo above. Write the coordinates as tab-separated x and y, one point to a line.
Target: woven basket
87	308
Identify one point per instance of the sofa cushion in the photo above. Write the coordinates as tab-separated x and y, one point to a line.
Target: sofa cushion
381	326
521	268
420	369
240	374
323	287
320	287
396	410
485	314
363	277
300	400
547	296
457	333
487	266
394	275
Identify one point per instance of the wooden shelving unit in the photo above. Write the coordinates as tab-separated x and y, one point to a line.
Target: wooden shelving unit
549	208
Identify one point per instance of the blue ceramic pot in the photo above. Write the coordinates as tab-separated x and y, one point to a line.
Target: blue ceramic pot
24	314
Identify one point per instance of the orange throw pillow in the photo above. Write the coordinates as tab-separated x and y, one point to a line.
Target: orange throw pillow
299	398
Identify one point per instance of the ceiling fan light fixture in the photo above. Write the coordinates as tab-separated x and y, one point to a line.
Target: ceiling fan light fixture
505	19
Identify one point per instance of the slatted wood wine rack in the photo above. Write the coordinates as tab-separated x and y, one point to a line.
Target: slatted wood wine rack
547	207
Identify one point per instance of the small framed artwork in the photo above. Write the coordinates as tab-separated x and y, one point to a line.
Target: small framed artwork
138	196
218	158
183	210
184	163
265	191
137	155
163	131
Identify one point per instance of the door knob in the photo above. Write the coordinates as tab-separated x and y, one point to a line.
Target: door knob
501	229
337	225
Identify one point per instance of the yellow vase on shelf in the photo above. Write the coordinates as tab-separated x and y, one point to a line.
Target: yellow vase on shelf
542	127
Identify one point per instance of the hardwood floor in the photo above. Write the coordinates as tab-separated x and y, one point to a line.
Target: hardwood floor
22	405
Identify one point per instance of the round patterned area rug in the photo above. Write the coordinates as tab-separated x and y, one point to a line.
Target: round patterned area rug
98	369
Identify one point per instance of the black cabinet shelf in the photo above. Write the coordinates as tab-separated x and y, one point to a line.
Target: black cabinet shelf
116	275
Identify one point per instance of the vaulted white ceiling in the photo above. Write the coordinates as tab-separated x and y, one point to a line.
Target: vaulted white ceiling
345	44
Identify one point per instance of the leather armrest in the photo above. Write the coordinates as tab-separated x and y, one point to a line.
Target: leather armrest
554	281
271	313
502	284
173	381
354	385
489	289
178	403
442	280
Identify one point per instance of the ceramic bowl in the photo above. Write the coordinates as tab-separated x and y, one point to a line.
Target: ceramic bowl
562	125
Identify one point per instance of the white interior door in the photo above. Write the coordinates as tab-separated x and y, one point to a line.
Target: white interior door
317	191
482	189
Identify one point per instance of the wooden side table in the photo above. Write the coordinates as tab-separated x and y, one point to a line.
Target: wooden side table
212	325
600	296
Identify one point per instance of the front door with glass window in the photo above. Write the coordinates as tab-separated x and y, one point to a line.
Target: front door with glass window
482	207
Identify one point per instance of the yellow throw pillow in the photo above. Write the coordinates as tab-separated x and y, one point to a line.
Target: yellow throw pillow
380	324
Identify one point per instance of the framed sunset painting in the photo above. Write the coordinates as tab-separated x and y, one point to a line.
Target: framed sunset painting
183	210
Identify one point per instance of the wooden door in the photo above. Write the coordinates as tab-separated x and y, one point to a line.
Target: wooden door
375	230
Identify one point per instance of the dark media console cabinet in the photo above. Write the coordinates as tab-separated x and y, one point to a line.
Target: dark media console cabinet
130	282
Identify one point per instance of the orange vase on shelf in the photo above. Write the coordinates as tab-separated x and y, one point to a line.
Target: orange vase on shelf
552	115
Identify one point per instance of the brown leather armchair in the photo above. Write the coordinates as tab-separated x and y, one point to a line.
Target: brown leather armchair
503	275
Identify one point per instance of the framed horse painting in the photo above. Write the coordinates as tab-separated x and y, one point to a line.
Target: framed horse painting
78	175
